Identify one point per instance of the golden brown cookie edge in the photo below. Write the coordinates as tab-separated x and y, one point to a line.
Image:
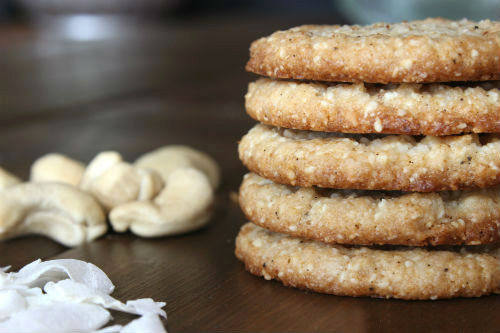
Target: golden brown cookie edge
267	268
338	226
332	172
292	112
476	59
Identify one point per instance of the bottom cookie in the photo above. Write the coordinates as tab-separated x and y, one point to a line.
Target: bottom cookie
406	273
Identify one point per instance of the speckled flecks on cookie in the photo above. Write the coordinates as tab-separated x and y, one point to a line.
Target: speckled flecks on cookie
416	109
372	162
372	217
407	273
431	50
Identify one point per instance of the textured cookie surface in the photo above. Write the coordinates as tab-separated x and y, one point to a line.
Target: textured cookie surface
407	273
371	217
432	50
414	109
372	162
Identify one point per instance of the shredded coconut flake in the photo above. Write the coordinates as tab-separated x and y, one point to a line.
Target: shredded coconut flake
68	295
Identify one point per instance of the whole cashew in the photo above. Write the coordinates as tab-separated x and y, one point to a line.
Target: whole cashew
7	179
183	205
169	158
59	211
115	182
57	168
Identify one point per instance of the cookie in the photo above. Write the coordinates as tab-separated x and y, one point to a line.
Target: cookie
372	162
406	273
372	217
431	50
415	109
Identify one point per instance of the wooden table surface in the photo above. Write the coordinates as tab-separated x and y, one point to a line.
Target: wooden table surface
182	83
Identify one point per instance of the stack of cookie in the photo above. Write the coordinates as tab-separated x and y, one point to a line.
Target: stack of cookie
376	165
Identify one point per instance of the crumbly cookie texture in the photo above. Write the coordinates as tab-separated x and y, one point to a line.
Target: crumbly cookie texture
407	273
372	162
431	50
415	109
370	217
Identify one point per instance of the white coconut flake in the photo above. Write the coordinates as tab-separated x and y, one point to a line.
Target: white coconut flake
78	292
145	306
11	301
69	295
38	273
110	329
146	323
57	317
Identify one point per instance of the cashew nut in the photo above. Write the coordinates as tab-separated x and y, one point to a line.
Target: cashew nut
57	168
7	179
59	211
183	205
114	182
169	158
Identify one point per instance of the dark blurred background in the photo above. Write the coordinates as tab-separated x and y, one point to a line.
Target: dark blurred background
358	11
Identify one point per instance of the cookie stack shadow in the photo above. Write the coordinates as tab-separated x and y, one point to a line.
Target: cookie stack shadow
376	164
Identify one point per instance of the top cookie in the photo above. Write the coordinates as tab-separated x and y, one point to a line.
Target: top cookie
431	50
